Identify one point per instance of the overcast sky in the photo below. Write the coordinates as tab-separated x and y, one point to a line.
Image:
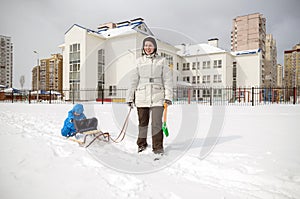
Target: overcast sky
41	24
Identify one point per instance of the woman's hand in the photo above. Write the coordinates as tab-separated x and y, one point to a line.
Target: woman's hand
169	102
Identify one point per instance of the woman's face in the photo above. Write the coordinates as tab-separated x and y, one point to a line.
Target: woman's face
148	47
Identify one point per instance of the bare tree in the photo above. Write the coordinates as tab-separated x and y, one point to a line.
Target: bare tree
22	81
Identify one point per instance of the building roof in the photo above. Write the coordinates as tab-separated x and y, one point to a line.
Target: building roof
246	52
122	29
198	49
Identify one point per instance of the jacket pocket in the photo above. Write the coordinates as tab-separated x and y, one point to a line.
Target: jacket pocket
140	94
158	93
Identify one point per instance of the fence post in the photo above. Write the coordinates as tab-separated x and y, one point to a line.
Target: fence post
102	95
50	97
189	95
211	93
12	96
252	96
29	97
73	95
295	95
239	94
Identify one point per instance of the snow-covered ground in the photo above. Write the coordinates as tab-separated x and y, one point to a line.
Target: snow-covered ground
212	152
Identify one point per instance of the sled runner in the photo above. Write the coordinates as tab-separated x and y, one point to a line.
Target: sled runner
87	128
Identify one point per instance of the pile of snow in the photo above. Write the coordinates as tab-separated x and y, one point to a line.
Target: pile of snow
212	152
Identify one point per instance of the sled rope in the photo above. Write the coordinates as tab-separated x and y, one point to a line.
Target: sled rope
123	130
98	134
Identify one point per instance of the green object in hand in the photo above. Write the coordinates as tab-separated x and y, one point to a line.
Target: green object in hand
164	126
165	129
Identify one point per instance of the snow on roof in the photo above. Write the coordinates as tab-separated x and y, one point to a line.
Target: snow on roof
197	49
112	32
122	30
9	90
246	52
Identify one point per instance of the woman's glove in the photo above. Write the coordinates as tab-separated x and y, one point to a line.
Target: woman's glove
130	104
169	102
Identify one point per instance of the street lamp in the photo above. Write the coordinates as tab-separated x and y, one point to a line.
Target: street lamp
37	76
197	68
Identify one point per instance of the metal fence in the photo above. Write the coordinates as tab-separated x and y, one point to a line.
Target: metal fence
252	96
248	96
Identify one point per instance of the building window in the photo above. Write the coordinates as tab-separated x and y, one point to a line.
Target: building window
186	66
206	79
194	66
196	79
74	73
101	67
112	91
206	93
206	65
217	78
217	63
234	75
186	79
196	92
217	92
169	59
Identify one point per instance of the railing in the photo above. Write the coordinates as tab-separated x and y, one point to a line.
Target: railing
248	96
252	96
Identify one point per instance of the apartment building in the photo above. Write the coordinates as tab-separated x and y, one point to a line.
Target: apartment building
6	61
249	33
203	66
279	75
104	59
270	62
49	74
292	67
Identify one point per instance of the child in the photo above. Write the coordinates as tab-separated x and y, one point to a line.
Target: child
75	114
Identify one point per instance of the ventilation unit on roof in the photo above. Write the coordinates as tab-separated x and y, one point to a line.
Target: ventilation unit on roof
214	42
103	28
106	26
136	20
123	23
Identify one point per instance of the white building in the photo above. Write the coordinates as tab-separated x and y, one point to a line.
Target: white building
249	68
206	66
105	58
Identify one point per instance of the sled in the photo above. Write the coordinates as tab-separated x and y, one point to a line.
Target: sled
88	128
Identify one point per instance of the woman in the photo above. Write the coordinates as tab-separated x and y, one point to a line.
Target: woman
151	87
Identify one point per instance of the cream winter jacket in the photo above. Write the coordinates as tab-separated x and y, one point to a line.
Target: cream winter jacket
151	82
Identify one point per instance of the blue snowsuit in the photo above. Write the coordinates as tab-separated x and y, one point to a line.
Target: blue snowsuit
69	128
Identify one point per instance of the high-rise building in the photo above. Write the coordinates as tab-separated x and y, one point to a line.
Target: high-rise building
292	67
270	62
6	61
50	74
279	75
248	33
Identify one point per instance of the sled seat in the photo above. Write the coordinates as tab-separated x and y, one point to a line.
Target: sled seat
88	127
